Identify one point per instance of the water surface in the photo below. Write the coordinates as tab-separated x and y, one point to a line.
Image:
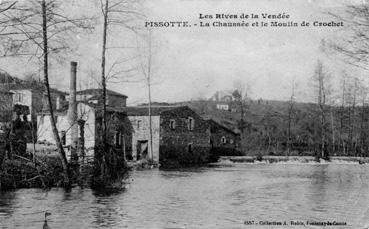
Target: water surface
214	197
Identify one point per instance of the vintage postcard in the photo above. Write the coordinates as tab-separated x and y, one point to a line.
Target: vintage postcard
184	114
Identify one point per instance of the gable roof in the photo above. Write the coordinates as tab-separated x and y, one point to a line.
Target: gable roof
8	82
98	91
155	110
213	123
34	86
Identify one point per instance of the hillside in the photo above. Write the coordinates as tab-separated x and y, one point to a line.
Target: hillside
345	130
256	112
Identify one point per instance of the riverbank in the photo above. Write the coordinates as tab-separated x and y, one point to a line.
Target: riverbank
291	159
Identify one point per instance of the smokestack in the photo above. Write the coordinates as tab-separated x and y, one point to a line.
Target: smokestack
72	111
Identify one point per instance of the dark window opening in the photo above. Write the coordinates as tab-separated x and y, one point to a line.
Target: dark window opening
172	124
117	139
191	123
139	124
190	148
63	138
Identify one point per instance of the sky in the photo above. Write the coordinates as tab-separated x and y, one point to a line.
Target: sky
192	63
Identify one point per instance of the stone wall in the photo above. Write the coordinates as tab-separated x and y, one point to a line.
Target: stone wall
223	138
180	145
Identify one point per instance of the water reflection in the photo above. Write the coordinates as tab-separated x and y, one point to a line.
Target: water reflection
217	197
7	200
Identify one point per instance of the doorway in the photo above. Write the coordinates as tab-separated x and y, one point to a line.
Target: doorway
142	149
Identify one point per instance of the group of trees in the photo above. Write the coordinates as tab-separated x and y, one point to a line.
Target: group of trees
44	31
336	123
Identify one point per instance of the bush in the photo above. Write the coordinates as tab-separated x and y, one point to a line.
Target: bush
109	169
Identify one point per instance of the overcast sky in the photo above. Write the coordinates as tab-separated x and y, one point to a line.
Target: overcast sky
190	63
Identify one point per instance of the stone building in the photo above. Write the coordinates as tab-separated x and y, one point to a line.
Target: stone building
178	133
223	137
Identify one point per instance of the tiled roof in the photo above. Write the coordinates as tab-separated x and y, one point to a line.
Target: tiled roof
34	86
98	91
155	110
8	82
214	123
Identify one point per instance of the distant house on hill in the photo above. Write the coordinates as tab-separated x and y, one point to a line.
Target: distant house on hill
177	131
224	107
113	99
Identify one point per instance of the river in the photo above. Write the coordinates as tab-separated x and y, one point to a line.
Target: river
211	197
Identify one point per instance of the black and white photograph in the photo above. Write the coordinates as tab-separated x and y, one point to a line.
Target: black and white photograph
184	114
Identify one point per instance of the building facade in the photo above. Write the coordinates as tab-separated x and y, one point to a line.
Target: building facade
223	137
177	131
91	115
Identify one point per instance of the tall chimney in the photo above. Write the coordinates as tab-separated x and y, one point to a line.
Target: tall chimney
72	111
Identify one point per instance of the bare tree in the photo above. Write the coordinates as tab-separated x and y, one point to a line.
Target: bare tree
291	108
353	42
146	68
4	6
240	94
115	13
39	29
322	88
342	111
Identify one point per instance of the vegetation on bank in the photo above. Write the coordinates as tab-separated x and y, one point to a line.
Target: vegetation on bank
19	169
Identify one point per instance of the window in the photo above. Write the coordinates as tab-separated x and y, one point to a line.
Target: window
223	140
18	97
139	124
117	138
190	148
58	104
63	138
191	123
172	124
